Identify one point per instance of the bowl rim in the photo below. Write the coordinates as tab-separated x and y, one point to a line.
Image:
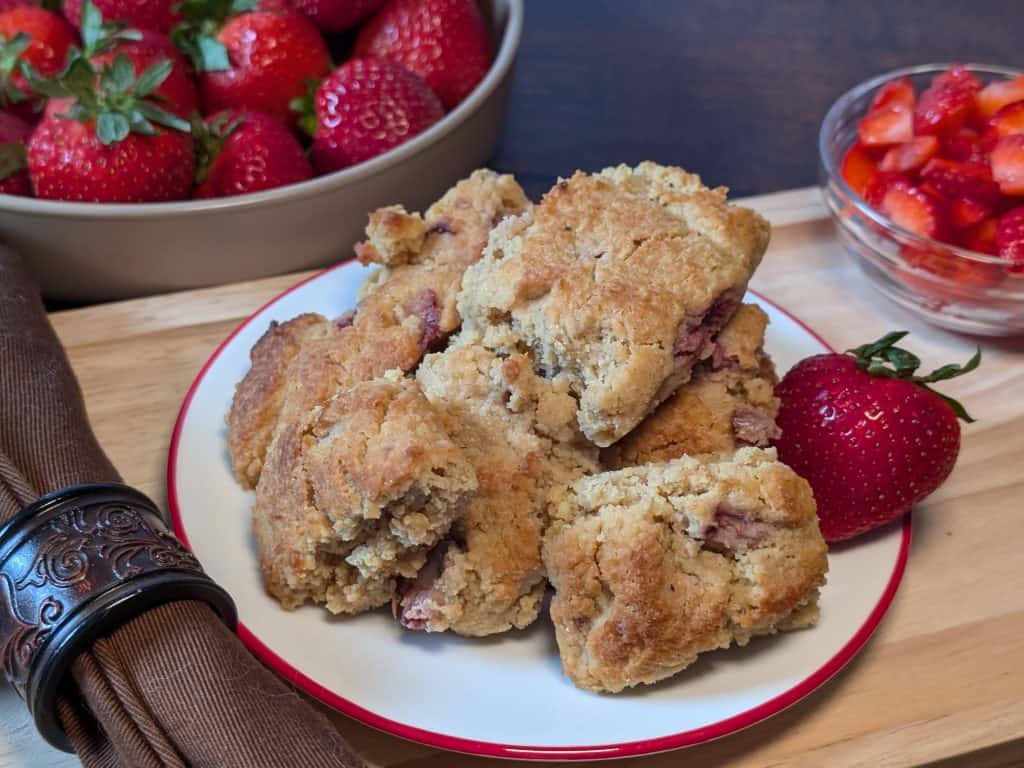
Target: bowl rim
837	109
496	74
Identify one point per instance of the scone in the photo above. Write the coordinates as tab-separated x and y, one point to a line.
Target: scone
653	565
518	430
729	402
355	494
406	309
617	281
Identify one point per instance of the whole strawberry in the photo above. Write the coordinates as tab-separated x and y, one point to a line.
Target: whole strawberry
158	15
39	38
13	162
105	139
242	152
869	434
443	41
337	15
366	107
258	59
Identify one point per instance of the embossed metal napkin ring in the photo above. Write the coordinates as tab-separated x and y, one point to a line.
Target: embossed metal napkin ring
76	565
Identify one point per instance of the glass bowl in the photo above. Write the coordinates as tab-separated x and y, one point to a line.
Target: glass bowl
949	286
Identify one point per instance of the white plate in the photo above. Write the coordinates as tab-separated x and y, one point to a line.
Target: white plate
504	696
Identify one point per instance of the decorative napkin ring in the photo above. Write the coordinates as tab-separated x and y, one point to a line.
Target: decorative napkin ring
76	565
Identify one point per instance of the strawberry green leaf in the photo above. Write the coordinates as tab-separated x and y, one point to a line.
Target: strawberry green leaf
212	54
119	77
13	158
91	25
112	127
153	77
867	351
951	371
162	117
958	409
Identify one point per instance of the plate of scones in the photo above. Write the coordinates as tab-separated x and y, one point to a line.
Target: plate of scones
504	484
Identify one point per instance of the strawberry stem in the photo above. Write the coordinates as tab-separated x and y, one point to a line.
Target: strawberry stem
885	360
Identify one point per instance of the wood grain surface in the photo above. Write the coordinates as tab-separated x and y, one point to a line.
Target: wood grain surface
940	683
732	89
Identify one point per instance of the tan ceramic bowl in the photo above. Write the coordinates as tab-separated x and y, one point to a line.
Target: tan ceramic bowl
94	252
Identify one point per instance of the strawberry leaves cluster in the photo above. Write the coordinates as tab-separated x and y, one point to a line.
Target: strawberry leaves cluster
196	36
885	360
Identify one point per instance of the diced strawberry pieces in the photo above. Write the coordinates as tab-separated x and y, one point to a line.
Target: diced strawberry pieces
913	209
879	184
947	103
964	146
911	155
857	168
1008	164
982	238
950	267
997	95
891	117
953	180
1009	239
1008	121
965	212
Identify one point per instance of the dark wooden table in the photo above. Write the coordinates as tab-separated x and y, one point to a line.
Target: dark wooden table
732	89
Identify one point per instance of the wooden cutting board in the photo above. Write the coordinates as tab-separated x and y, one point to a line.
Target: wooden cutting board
942	680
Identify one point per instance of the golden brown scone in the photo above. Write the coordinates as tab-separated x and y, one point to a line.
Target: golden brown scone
617	281
408	308
729	402
354	496
653	565
519	432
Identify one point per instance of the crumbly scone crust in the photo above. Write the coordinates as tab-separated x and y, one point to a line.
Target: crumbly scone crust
616	281
730	394
519	432
367	484
408	309
653	565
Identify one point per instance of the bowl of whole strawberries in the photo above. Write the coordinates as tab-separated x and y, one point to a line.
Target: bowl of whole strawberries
923	171
157	145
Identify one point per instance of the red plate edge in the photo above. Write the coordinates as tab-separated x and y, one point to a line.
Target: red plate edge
523	752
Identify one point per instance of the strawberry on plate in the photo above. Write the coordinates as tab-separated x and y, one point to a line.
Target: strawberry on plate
260	59
39	38
13	161
890	120
997	95
366	107
105	139
1008	165
443	41
338	15
159	15
241	152
1009	239
947	103
868	433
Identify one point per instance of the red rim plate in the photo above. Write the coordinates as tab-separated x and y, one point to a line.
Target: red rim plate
521	751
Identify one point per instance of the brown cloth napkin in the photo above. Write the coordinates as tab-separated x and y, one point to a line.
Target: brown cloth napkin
173	687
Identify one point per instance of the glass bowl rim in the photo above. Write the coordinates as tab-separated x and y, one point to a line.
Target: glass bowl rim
839	107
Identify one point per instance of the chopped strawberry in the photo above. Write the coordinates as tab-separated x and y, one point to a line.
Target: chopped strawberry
857	168
1008	164
910	155
891	117
1008	121
947	103
982	238
914	209
965	212
953	180
879	184
997	95
950	267
1010	239
964	146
